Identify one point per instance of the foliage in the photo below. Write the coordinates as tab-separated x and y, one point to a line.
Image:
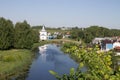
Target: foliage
20	36
37	27
35	36
67	46
87	34
6	34
23	36
98	65
75	34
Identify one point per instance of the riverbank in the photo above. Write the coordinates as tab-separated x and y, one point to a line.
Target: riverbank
12	62
55	41
98	64
36	45
48	58
16	62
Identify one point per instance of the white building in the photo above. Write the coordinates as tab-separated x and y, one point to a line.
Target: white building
116	44
43	34
97	40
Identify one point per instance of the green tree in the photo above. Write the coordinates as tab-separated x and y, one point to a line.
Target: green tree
75	34
87	37
6	34
88	34
23	36
35	35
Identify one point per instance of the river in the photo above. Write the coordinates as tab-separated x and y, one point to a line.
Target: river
50	57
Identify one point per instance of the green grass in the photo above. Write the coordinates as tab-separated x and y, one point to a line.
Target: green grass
13	61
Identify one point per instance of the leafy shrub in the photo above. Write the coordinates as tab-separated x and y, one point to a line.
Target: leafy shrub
98	64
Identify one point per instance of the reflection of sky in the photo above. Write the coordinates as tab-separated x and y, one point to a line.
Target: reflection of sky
51	59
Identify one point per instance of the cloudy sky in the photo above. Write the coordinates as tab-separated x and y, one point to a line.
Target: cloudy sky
59	13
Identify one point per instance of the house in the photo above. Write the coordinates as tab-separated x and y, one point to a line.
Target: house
43	34
97	40
105	43
66	35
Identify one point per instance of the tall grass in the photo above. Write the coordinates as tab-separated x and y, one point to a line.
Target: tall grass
14	61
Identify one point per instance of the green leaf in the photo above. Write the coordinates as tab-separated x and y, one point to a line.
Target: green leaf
54	74
72	71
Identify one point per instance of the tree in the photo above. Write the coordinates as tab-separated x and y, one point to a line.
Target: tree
35	35
6	34
87	37
23	36
88	34
75	34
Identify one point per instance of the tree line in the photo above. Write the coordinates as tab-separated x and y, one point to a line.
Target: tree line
88	34
19	36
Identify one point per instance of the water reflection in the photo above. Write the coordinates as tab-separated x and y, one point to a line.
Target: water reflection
50	58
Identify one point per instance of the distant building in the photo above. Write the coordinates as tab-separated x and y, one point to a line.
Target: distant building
66	35
97	40
43	34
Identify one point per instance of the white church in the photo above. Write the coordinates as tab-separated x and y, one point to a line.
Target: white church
43	34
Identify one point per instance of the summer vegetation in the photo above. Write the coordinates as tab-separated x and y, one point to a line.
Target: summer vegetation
84	34
89	33
99	65
13	62
19	36
16	42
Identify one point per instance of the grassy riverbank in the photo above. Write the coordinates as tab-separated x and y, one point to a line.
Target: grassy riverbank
13	61
98	64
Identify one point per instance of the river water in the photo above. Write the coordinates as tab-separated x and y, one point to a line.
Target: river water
48	58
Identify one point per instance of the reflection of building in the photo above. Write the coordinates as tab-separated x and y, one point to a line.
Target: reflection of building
43	34
43	57
42	51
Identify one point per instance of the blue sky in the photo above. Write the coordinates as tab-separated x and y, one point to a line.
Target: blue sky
59	13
